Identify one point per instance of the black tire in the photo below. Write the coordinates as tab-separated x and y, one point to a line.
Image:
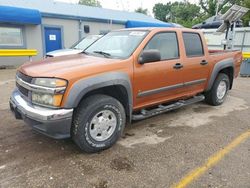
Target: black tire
211	96
86	111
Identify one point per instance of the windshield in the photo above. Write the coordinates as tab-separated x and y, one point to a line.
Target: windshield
117	44
86	42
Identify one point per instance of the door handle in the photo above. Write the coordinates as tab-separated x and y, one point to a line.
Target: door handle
178	66
203	62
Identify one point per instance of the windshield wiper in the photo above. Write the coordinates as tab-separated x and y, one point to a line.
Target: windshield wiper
105	54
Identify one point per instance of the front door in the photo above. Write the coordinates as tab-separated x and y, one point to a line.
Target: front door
159	81
53	38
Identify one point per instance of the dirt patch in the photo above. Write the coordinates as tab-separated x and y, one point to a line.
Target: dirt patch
122	163
191	116
5	82
145	137
85	168
101	184
187	117
2	67
202	109
152	125
127	134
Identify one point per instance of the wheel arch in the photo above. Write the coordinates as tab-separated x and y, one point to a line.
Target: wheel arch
115	84
225	66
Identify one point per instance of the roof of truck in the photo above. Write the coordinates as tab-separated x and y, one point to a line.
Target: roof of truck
160	29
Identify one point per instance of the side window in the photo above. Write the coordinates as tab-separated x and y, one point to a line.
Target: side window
193	44
166	43
11	37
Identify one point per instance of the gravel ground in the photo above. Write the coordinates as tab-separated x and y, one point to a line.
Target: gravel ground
156	152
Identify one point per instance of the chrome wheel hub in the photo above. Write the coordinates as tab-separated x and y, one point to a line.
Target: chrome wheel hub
103	125
222	89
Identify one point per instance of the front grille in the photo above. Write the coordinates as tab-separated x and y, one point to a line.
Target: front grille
23	90
24	77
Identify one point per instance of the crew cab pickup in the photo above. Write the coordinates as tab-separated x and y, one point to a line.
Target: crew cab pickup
127	75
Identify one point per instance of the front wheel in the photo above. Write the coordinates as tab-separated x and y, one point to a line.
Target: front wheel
98	123
216	96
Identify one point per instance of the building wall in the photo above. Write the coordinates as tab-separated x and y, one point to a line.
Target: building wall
72	31
33	37
96	27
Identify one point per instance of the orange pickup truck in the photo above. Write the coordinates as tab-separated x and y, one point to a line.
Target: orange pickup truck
127	75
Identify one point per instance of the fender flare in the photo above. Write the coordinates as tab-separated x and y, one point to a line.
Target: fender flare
85	85
226	63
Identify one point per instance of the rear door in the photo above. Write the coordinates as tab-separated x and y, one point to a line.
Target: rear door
196	65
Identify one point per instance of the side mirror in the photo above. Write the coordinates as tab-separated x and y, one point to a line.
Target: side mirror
148	56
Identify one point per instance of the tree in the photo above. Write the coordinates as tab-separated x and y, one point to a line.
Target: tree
183	13
93	3
141	10
161	11
246	18
188	14
209	6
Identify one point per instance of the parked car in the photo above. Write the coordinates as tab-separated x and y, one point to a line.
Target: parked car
214	22
127	75
76	48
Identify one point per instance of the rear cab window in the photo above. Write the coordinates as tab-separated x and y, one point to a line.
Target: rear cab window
193	44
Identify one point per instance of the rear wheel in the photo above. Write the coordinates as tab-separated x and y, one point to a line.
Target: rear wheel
216	96
98	123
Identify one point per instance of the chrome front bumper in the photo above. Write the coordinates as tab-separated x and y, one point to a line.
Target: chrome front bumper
55	123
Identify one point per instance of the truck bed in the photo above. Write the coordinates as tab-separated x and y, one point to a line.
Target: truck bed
219	55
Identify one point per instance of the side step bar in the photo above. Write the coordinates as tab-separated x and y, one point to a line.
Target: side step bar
165	108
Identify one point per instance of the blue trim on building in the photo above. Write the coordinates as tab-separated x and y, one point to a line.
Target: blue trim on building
60	16
19	15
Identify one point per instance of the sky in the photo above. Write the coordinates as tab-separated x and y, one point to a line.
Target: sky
129	5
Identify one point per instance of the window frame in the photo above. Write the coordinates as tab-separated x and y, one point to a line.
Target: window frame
163	32
23	46
190	56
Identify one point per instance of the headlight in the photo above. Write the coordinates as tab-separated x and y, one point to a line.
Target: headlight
44	98
47	99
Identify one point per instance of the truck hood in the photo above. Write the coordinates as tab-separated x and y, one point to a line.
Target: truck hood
62	52
68	67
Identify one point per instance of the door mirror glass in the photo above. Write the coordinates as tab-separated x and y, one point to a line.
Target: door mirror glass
148	56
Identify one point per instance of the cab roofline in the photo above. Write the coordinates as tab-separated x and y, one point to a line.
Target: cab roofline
159	29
